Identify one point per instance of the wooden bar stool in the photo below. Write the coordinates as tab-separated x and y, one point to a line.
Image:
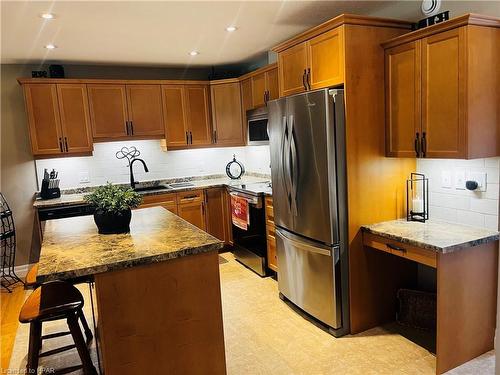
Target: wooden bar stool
56	300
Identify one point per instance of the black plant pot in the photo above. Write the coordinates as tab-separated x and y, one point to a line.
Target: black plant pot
113	223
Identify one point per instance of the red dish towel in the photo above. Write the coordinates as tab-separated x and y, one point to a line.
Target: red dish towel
240	215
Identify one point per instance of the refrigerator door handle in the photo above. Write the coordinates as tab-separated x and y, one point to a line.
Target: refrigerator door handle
294	166
303	245
285	161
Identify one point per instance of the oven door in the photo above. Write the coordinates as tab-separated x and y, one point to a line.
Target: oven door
250	246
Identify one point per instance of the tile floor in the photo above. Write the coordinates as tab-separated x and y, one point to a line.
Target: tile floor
265	336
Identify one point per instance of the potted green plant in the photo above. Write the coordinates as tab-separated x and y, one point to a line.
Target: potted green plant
113	206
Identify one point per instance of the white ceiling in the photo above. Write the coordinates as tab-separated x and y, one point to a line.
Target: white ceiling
163	33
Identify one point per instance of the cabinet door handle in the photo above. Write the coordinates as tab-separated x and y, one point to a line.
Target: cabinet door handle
424	145
417	145
187	138
191	137
131	128
215	136
126	127
308	78
66	144
395	247
304	79
60	144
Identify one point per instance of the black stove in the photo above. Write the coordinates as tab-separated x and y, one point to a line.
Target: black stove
250	245
254	188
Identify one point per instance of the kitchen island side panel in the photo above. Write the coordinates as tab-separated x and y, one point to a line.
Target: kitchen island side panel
162	318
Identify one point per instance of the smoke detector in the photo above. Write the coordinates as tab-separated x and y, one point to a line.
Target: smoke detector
430	7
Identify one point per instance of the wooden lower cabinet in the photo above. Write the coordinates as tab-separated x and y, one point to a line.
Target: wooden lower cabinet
169	201
193	212
191	207
272	259
208	209
217	214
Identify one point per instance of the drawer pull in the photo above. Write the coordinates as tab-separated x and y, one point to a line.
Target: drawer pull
395	247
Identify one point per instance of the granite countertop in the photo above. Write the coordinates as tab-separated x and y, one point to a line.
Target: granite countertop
77	197
440	236
72	247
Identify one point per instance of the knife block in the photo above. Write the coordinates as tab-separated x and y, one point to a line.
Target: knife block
49	193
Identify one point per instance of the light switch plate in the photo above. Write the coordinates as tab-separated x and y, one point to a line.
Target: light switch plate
84	177
480	178
446	179
460	179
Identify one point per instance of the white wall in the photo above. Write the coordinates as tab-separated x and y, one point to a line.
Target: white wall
103	166
460	205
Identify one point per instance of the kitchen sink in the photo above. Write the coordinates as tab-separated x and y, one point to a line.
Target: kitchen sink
181	184
152	188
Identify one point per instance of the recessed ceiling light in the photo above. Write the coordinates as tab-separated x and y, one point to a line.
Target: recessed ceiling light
231	28
50	46
194	53
47	16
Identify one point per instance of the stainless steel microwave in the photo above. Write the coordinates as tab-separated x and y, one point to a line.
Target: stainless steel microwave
257	127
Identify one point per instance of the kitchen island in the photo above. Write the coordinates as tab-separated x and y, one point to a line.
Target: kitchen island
157	290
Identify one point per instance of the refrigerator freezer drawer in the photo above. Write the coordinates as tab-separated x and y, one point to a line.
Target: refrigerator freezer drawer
309	276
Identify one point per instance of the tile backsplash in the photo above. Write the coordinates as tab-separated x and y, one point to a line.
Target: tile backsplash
448	198
103	166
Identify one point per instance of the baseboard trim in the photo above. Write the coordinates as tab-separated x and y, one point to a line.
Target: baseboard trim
22	270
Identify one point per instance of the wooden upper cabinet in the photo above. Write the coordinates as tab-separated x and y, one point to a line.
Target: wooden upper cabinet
312	64
272	84
441	86
326	59
292	67
259	90
198	114
174	112
43	118
108	110
145	115
443	94
258	87
246	95
75	118
403	127
226	114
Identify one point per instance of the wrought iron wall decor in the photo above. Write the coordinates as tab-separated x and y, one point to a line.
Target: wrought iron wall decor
129	153
7	246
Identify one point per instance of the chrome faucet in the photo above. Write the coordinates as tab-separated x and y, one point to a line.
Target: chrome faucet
132	181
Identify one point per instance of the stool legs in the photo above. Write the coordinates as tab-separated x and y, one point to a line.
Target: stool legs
88	332
74	327
34	347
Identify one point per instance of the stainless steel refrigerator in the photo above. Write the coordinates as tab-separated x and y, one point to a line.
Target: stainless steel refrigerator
307	142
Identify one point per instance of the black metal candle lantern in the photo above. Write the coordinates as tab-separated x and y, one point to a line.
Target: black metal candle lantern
417	198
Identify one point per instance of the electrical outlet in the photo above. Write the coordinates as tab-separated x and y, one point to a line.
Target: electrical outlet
84	177
460	179
480	178
446	179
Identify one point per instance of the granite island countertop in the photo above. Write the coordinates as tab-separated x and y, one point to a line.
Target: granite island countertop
204	183
72	247
436	235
